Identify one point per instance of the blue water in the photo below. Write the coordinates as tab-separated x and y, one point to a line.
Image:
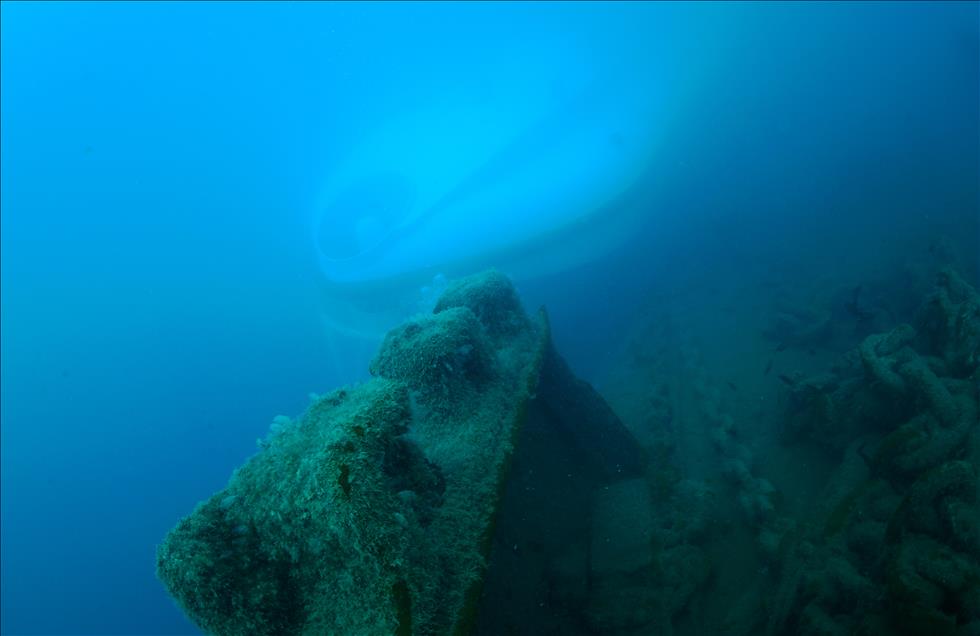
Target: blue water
164	167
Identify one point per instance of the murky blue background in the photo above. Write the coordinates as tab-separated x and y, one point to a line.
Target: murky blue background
163	164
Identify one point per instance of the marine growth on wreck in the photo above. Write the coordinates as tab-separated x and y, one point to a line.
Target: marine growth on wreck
374	512
475	486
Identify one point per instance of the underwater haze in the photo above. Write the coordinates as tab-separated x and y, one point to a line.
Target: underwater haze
211	211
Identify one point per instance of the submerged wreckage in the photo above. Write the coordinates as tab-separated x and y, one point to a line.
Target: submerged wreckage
376	512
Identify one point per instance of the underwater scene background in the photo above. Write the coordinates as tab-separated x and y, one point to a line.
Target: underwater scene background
755	228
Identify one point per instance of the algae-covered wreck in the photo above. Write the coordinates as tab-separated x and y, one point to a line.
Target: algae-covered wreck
375	512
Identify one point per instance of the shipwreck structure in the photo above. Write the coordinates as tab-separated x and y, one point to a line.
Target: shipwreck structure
391	507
